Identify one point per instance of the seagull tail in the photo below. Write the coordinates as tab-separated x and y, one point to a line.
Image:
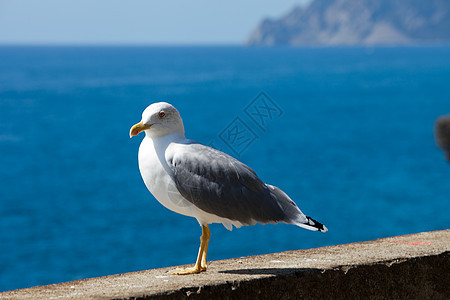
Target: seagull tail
312	224
293	214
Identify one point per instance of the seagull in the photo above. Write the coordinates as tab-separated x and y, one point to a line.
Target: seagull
442	134
201	182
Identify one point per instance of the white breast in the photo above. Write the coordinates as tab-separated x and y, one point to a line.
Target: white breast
155	173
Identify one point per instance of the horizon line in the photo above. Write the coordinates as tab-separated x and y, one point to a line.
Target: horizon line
242	45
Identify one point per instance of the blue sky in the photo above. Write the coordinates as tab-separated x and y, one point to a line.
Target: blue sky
134	21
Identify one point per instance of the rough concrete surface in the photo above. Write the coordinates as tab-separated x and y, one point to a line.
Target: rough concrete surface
415	266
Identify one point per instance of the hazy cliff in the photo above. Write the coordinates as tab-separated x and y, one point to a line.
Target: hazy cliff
358	22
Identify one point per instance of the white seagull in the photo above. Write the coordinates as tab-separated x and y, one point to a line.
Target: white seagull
201	182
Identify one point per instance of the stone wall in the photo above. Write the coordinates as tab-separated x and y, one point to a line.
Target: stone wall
415	266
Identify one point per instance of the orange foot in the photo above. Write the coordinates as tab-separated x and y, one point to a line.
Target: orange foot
187	271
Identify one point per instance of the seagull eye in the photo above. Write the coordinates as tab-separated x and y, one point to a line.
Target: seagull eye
162	114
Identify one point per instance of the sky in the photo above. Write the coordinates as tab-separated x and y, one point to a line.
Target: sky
151	22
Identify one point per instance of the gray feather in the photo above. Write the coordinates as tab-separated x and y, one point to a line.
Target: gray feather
221	185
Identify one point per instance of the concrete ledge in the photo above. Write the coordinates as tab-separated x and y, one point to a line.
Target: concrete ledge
415	266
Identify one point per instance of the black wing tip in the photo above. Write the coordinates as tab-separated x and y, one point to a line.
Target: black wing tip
320	227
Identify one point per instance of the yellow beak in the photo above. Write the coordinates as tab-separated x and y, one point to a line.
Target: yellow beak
139	127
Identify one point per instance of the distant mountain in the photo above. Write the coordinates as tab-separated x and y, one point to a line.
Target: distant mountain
358	22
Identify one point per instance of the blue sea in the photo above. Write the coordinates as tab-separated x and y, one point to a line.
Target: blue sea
346	132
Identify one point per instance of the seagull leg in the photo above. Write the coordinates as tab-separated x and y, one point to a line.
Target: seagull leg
200	264
206	234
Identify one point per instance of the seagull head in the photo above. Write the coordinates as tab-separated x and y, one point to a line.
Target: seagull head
159	119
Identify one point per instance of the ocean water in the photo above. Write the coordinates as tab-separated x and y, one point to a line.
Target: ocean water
346	132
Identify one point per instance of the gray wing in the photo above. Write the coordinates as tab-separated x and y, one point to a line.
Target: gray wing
221	185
